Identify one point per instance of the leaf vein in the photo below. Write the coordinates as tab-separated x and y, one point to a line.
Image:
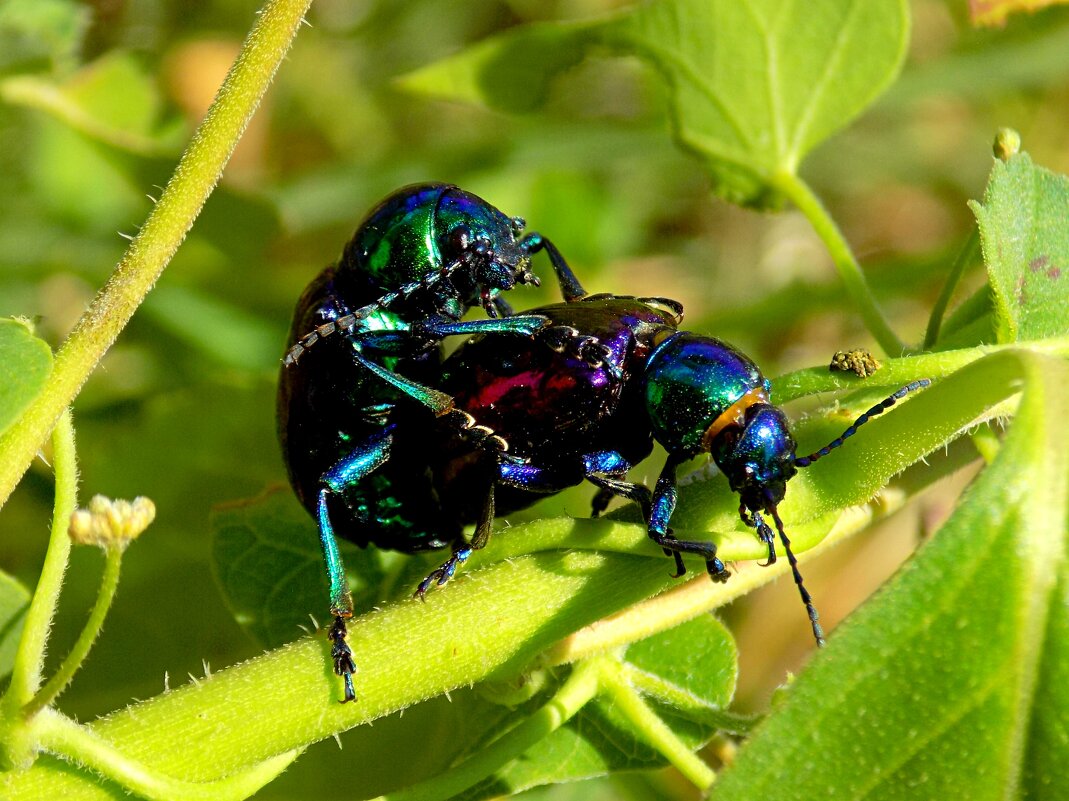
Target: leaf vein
821	86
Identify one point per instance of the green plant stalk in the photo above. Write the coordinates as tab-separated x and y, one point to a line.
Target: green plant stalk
803	197
692	598
896	372
961	263
151	250
293	688
681	699
987	443
61	735
109	582
29	659
649	726
580	687
287	698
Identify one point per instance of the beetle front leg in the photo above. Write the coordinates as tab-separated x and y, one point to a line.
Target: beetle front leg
434	330
665	496
640	494
364	460
764	533
566	339
570	287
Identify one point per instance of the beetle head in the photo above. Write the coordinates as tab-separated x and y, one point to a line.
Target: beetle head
756	456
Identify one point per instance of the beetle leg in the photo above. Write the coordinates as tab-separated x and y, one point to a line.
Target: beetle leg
501	305
462	550
604	470
764	533
638	493
567	340
435	329
438	402
570	287
483	437
600	502
363	460
665	496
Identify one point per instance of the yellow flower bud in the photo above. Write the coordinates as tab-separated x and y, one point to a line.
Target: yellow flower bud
111	524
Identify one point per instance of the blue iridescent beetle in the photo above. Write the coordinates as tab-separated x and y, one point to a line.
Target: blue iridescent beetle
420	260
573	421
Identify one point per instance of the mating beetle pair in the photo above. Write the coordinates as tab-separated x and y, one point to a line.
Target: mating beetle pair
419	261
386	443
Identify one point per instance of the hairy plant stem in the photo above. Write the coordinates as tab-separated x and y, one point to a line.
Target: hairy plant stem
896	372
800	193
961	264
61	735
29	659
109	582
580	687
151	250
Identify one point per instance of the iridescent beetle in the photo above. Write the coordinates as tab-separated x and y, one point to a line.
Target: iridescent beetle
572	419
420	260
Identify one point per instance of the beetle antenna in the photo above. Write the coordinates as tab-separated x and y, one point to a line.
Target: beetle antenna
807	599
878	409
347	322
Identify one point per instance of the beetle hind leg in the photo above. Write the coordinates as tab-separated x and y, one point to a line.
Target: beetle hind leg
365	459
342	656
462	551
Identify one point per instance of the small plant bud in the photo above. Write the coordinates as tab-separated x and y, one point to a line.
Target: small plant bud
111	524
1007	144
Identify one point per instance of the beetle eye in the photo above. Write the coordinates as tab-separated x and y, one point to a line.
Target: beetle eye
729	435
518	224
460	239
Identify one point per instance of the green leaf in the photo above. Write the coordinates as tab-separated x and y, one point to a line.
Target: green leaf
757	84
25	364
754	85
687	673
945	684
1026	247
512	71
696	661
269	565
14	601
117	91
41	33
111	101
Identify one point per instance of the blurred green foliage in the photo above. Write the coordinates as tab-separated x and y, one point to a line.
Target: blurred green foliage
182	407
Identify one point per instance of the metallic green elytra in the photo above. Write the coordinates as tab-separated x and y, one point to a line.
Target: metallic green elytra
691	383
417	231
